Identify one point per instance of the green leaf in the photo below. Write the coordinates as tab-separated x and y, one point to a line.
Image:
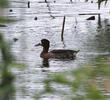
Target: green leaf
94	94
17	65
3	3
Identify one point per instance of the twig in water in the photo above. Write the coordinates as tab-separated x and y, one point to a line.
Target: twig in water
45	1
63	28
28	4
71	1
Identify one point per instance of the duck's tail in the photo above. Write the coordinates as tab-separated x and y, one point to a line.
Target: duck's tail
77	51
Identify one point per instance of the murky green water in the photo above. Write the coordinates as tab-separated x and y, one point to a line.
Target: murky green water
91	37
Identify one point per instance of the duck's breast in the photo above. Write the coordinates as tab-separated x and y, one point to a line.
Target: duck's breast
47	55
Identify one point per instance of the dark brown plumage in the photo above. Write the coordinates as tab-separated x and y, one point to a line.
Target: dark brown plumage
58	53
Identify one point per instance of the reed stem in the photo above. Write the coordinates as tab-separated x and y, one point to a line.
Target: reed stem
45	1
63	26
28	4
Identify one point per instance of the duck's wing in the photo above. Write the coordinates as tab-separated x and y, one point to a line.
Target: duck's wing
64	54
64	51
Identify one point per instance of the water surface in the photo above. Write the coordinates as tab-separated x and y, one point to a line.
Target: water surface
91	37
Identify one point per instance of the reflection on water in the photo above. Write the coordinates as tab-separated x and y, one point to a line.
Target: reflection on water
103	36
101	40
99	21
92	38
45	62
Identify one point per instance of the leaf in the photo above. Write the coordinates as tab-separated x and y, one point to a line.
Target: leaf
94	94
3	3
86	0
17	65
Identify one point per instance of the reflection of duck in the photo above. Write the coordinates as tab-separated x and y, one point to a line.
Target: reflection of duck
58	54
45	62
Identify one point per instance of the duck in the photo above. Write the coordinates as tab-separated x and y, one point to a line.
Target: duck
57	53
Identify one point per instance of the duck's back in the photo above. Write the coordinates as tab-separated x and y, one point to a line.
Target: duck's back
64	54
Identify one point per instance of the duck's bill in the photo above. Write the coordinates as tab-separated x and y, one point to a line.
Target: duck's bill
39	44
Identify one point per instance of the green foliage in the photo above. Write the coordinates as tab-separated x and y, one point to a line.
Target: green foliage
83	82
103	67
3	3
7	78
6	55
3	20
86	0
7	89
6	86
94	94
17	65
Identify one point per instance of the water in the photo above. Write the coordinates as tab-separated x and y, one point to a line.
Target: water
91	38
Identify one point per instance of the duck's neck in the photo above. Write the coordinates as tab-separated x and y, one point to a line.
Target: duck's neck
45	50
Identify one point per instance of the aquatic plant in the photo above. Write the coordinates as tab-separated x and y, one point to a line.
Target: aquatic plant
7	78
7	89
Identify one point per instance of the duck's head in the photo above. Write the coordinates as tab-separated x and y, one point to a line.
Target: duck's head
44	43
